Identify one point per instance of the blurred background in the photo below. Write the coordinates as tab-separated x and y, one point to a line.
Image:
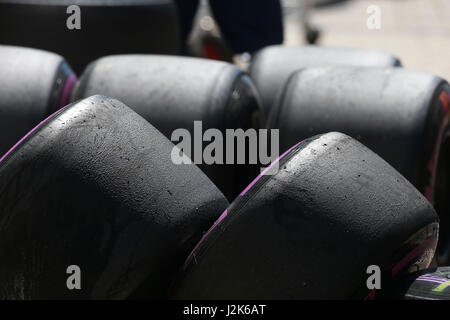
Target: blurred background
417	31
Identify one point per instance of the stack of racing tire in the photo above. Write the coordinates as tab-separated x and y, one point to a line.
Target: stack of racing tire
88	179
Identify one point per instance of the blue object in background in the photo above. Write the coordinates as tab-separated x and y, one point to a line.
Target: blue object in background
246	25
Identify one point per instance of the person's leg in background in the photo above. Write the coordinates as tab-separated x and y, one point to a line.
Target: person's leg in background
312	33
187	10
249	25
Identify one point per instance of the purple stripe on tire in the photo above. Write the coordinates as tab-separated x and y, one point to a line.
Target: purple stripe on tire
430	280
222	216
65	97
267	169
27	135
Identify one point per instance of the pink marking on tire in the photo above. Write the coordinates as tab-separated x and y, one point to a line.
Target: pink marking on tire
431	279
222	217
267	169
27	135
427	244
65	97
432	163
371	295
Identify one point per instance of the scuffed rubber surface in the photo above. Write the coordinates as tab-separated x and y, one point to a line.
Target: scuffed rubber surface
400	114
173	92
272	66
94	186
107	27
333	203
33	84
387	109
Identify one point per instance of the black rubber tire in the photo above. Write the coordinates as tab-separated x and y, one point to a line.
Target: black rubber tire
107	27
441	187
94	186
173	92
272	66
33	84
401	115
332	203
433	284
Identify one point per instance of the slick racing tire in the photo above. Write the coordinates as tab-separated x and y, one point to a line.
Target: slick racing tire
332	202
174	92
33	84
93	188
432	284
272	66
400	114
96	29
